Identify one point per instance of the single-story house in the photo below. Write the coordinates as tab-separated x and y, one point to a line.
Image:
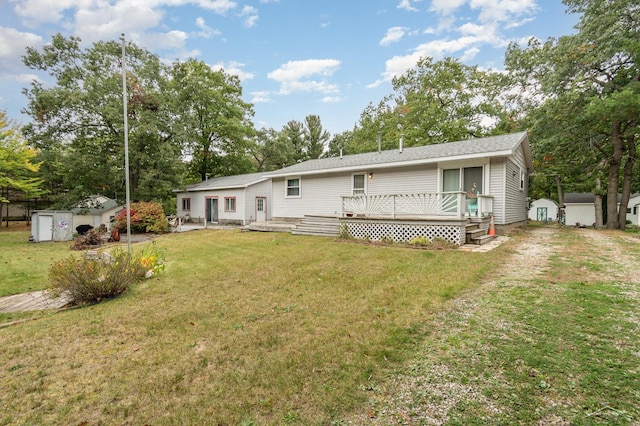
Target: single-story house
543	210
95	211
426	191
633	211
239	199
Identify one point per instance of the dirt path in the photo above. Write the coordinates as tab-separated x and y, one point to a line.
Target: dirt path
457	349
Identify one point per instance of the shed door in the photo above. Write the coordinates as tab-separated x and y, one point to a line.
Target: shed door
45	228
541	214
261	209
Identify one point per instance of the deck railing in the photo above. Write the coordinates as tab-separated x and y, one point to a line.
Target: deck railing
439	204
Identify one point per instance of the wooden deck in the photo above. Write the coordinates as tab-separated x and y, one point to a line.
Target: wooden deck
34	301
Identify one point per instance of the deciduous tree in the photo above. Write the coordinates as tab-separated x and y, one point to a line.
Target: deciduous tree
589	84
18	171
77	122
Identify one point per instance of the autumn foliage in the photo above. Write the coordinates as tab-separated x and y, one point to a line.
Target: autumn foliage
145	217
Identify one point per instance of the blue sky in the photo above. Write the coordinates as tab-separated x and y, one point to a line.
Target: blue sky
294	57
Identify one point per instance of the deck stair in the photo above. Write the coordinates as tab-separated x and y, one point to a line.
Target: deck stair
322	226
475	234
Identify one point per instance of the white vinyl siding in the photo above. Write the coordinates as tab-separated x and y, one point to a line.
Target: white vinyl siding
262	189
293	189
497	189
322	193
516	203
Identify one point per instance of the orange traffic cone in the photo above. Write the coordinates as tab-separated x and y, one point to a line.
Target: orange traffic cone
492	228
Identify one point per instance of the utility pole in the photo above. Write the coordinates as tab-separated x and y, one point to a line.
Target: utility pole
126	143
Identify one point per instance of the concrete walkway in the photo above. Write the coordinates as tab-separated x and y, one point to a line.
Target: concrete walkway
34	301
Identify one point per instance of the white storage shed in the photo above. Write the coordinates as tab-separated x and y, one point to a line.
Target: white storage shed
51	225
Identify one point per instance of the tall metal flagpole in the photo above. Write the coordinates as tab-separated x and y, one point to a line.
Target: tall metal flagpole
126	143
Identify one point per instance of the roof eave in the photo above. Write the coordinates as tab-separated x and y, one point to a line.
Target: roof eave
216	188
391	164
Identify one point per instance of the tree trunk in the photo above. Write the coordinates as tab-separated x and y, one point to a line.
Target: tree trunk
626	182
598	204
614	176
560	193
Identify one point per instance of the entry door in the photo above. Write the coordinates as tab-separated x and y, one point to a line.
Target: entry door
541	214
261	209
45	228
211	207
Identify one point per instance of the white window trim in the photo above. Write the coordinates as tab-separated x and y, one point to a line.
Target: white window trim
286	187
521	179
364	175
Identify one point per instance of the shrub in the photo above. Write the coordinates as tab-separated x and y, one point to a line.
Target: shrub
344	232
91	279
420	241
387	239
151	258
145	217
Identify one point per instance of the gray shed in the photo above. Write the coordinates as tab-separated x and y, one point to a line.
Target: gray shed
51	225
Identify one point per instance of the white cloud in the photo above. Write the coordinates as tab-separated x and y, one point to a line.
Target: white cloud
469	54
331	99
13	42
309	86
41	11
234	68
251	21
13	45
261	97
406	5
394	34
218	6
295	76
108	22
502	10
251	16
69	12
446	7
296	70
205	30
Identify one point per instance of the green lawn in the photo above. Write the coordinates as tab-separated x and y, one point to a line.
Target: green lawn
262	328
24	266
241	327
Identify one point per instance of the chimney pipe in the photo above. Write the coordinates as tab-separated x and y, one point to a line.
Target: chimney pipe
340	153
401	142
379	141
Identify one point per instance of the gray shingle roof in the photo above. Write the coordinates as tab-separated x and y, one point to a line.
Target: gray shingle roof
494	145
579	198
96	209
237	181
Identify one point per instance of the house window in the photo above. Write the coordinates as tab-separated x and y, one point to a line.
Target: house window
229	204
359	183
293	187
521	180
470	177
186	204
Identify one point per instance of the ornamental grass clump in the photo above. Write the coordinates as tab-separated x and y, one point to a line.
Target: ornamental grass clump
91	279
